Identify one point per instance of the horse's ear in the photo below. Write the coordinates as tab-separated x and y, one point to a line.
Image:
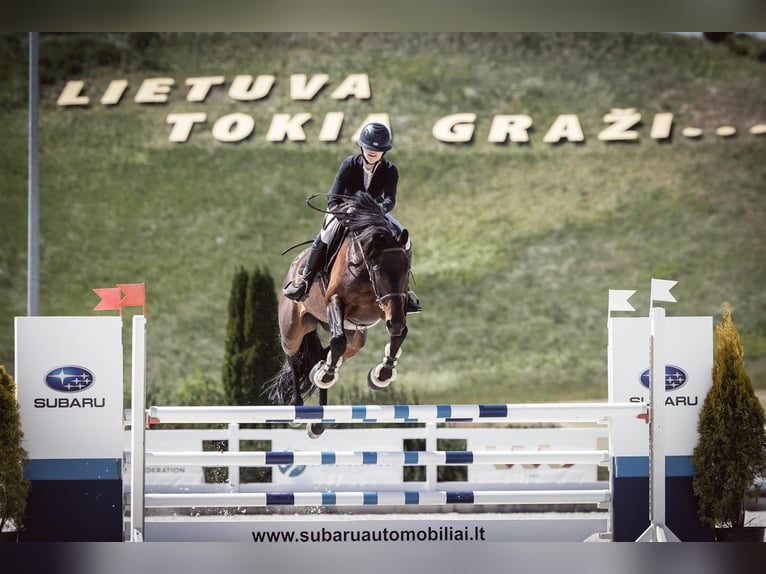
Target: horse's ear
404	236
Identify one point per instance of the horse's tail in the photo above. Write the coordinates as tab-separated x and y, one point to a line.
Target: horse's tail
280	389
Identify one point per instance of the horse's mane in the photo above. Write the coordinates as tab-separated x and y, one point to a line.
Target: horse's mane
367	216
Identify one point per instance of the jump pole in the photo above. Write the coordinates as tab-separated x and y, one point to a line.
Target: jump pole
657	531
599	413
138	429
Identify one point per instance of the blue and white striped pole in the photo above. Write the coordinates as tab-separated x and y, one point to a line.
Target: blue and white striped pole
377	498
377	458
490	413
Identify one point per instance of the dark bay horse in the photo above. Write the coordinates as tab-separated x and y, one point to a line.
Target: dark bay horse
368	283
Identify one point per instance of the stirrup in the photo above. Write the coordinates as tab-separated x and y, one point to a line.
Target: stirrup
413	304
297	291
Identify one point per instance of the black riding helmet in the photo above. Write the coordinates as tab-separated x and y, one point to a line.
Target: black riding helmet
375	137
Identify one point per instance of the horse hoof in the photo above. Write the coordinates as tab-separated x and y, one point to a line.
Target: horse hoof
321	378
374	381
314	430
323	384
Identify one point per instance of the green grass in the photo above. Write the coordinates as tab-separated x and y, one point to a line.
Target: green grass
515	246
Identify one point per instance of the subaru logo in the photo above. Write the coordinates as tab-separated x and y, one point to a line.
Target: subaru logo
675	378
69	379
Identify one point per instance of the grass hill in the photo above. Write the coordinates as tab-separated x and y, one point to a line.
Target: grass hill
515	244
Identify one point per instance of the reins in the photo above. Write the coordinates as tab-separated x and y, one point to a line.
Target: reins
325	211
315	208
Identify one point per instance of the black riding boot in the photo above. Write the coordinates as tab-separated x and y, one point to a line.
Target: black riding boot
413	303
298	289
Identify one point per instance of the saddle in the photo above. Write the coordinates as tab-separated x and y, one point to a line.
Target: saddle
332	251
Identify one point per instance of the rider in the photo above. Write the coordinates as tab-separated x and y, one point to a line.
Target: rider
368	171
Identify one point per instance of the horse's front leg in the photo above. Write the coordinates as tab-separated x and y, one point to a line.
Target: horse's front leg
384	374
325	373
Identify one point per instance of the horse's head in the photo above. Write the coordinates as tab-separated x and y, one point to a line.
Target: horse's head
383	246
389	275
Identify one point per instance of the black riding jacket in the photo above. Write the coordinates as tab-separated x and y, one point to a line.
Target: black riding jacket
350	179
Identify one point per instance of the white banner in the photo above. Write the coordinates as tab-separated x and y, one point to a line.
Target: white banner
69	386
688	377
179	440
396	531
300	477
291	477
538	439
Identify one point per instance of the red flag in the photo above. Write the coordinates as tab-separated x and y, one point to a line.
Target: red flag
110	299
135	295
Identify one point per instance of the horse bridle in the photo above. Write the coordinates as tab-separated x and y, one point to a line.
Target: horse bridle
372	272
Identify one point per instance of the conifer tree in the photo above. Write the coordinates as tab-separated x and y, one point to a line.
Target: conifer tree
263	355
232	361
13	458
731	452
253	353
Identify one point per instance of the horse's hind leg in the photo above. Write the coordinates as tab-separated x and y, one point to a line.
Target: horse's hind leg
325	373
315	430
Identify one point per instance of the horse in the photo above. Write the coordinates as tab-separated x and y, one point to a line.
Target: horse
368	282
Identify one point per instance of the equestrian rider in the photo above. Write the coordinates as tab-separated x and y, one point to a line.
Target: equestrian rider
369	171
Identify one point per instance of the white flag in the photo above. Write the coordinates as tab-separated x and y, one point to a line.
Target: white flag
618	300
661	290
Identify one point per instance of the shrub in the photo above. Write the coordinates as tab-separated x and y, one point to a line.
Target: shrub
731	452
13	458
